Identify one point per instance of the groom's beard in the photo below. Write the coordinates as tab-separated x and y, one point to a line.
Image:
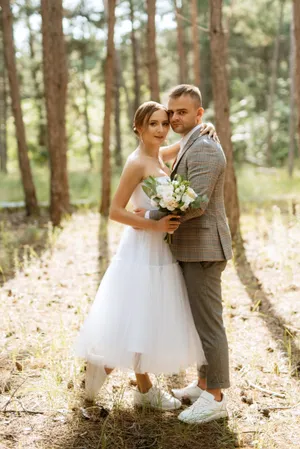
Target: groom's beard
181	129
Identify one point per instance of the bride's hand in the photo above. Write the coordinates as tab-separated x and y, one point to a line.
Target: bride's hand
169	224
208	128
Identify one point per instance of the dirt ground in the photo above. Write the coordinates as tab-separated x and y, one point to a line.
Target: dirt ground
46	299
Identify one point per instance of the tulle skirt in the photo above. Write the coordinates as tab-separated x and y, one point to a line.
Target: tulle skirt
141	317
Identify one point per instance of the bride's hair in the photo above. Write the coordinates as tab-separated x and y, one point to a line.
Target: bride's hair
144	112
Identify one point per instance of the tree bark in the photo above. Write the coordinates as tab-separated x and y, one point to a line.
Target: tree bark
109	86
3	105
271	96
296	9
55	81
135	60
86	110
117	114
152	57
9	51
39	94
291	154
196	43
222	112
182	56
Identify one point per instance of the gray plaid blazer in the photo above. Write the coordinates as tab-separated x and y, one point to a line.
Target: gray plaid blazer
204	233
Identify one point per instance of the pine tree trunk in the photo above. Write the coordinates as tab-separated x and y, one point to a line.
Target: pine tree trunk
297	50
152	57
222	113
3	105
39	94
109	86
86	110
291	154
117	113
271	96
196	43
182	62
135	60
27	180
55	81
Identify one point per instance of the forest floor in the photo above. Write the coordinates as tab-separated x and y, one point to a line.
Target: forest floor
46	292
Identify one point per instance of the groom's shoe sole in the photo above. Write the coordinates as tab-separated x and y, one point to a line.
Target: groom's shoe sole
215	417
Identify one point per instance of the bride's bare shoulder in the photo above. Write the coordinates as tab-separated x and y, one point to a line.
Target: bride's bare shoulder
134	164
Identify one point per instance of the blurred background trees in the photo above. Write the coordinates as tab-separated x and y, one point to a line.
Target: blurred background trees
155	45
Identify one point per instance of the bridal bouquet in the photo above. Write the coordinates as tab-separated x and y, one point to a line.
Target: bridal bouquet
172	196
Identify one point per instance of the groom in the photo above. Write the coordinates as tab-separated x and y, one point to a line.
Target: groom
202	246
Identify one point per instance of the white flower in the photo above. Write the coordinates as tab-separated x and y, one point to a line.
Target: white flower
164	190
187	199
171	204
190	192
184	207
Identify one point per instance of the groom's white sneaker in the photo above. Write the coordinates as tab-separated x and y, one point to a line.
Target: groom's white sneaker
205	409
191	392
156	398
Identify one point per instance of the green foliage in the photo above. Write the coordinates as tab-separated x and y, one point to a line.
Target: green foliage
252	26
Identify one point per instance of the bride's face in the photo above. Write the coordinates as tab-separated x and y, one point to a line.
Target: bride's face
156	130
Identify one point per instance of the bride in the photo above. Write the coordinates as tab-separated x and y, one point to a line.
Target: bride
141	317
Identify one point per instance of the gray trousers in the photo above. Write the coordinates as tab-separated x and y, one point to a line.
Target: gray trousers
203	281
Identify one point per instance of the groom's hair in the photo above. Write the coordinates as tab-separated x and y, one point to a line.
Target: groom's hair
187	89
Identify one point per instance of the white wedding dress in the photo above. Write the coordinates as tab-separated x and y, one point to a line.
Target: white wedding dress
141	317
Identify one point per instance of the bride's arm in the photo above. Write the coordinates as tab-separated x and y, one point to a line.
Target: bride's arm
170	152
132	175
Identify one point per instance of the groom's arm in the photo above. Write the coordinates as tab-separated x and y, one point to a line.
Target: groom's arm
205	163
155	214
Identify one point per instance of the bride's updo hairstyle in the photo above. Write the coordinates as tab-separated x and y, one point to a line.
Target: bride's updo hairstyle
143	114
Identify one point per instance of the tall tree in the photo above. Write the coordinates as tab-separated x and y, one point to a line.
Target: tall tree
152	57
291	154
135	59
109	87
221	106
83	51
182	56
296	9
117	112
3	104
38	89
196	42
9	51
55	81
272	87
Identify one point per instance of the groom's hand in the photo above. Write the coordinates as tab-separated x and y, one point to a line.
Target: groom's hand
208	128
140	212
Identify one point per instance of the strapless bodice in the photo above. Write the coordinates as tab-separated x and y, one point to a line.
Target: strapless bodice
139	199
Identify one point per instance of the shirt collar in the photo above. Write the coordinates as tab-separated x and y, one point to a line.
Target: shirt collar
185	138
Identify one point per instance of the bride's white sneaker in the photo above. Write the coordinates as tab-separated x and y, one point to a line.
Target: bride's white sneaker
94	379
156	398
205	409
191	392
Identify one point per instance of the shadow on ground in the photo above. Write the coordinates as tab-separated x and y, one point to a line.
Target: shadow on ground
262	303
142	429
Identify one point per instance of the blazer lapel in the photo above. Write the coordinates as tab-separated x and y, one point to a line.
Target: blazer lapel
189	143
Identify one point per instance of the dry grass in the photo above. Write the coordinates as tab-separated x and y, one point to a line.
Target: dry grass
43	304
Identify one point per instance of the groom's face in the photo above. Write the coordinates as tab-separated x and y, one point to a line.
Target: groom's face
184	113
